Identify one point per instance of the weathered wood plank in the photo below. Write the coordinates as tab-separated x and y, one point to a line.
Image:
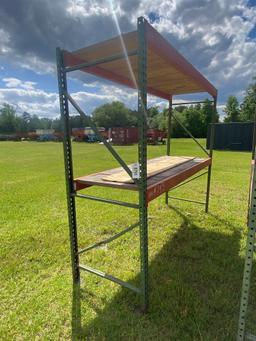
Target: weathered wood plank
154	166
156	185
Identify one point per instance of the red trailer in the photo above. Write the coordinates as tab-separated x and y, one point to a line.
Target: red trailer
32	135
21	134
78	134
156	136
86	134
58	135
124	135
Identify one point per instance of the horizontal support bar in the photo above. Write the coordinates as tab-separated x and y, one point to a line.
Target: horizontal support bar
250	337
195	102
110	239
185	182
109	277
109	201
101	61
189	200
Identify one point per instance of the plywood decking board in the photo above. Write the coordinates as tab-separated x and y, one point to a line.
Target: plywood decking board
154	166
109	47
156	185
166	67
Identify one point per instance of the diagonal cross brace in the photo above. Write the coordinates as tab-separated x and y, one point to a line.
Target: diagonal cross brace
250	337
101	138
110	239
189	133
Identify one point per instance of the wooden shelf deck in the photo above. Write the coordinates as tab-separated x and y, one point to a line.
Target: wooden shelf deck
168	72
156	184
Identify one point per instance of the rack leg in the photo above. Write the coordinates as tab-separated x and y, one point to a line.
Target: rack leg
246	284
142	156
208	189
211	153
250	250
73	240
144	258
62	81
168	148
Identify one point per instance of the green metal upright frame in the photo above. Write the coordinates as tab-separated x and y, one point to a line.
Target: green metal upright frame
141	181
142	151
64	110
65	97
168	143
243	334
210	154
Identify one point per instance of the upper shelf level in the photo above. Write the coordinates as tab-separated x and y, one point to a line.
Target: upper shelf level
168	72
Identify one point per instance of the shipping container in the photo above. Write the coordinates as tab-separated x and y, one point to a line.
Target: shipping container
231	136
156	136
78	134
44	132
86	134
124	135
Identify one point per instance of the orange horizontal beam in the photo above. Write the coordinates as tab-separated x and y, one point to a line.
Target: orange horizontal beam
163	186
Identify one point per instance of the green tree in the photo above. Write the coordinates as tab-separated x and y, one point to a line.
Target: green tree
78	121
133	118
152	117
194	121
248	106
177	130
209	115
159	121
232	110
45	123
180	108
56	124
23	122
113	114
34	123
8	119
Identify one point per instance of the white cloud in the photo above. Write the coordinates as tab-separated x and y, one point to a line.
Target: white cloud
46	104
11	82
4	41
34	63
91	85
34	101
212	34
81	8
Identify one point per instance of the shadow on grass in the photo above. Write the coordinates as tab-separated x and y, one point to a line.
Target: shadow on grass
195	285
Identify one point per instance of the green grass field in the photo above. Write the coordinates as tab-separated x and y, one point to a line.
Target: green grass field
196	260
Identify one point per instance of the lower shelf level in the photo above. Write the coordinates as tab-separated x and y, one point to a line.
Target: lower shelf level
156	184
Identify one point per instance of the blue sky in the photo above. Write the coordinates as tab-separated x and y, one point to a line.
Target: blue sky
217	36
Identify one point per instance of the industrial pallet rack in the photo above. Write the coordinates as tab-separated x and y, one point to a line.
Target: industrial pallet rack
145	61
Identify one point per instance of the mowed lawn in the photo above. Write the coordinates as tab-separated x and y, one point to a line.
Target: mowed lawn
196	259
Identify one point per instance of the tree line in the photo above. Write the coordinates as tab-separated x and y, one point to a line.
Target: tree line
246	110
195	118
11	123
